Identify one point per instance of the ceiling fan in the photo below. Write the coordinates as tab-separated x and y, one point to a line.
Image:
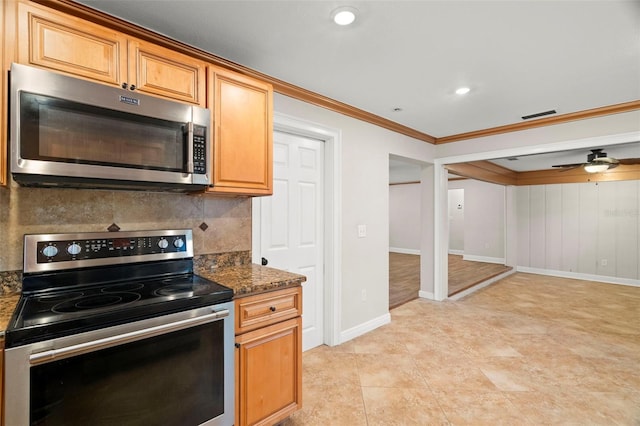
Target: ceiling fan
598	162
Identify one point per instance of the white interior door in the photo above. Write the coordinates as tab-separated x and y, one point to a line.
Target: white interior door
291	228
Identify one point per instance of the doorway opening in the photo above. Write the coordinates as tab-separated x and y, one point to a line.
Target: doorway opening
404	230
477	230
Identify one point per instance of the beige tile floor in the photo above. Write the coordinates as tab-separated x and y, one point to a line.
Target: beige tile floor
528	350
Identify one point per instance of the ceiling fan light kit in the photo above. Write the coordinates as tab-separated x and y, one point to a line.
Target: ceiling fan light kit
598	162
596	167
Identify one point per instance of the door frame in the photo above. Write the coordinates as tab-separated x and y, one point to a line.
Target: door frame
332	138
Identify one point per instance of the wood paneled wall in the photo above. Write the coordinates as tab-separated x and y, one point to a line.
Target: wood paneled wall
492	173
586	228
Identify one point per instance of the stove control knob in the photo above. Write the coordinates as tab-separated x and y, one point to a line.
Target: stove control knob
74	249
50	251
163	244
178	242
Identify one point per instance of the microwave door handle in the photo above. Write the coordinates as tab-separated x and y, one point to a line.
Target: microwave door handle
190	147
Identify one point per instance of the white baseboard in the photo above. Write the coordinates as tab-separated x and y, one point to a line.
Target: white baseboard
483	284
484	259
404	250
580	276
426	295
364	328
456	252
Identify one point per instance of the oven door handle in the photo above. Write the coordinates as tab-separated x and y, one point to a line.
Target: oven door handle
107	342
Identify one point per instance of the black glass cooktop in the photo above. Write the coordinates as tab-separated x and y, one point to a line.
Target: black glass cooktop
70	309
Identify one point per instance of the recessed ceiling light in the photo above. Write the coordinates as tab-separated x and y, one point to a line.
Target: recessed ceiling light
462	90
344	15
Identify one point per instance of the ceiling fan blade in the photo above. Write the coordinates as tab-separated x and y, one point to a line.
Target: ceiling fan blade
568	167
629	161
605	160
571	166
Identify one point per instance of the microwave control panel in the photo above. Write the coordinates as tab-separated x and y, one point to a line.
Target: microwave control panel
199	149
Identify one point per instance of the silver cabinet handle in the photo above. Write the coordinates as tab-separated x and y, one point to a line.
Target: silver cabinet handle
107	342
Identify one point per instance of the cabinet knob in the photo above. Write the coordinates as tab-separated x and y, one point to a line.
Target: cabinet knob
265	262
272	308
124	85
237	345
133	87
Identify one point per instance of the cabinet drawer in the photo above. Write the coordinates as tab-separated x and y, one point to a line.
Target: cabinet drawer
269	308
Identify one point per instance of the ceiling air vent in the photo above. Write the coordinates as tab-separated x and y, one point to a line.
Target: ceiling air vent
539	114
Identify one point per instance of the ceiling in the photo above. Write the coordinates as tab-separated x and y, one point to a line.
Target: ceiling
401	170
518	57
546	161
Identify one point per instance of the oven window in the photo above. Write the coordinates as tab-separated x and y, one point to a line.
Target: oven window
64	131
173	379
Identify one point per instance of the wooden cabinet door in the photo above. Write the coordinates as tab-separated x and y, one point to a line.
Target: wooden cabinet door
71	45
243	141
162	72
1	381
269	375
7	37
74	46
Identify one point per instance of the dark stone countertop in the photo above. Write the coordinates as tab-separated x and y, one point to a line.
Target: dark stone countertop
245	280
8	304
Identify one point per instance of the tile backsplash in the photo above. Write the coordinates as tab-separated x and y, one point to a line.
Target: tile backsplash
51	210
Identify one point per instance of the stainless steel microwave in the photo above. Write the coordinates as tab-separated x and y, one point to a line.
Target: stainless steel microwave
70	132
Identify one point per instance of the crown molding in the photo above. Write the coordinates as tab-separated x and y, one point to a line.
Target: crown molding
547	121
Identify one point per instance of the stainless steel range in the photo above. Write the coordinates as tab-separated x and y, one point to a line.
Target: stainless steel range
116	329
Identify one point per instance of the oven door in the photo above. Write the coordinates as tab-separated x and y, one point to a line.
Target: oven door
176	369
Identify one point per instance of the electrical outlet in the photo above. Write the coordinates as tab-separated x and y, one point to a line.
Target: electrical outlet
362	231
604	262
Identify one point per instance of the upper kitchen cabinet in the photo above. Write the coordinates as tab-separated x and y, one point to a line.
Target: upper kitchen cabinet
243	141
54	40
163	72
4	79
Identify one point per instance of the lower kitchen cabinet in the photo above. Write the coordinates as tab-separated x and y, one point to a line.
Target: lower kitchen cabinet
1	381
268	358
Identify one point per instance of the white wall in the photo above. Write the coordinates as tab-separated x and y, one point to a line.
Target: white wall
580	228
404	218
365	200
484	220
